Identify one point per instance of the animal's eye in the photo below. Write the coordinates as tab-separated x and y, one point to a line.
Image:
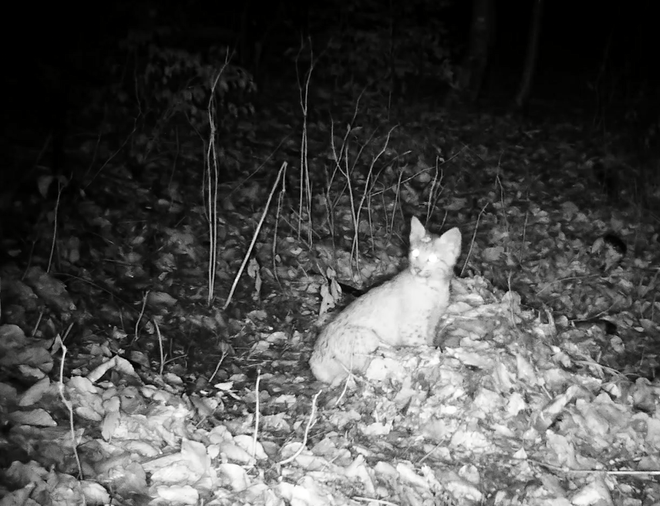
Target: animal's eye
414	253
433	258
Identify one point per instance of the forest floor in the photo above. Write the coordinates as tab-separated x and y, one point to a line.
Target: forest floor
122	381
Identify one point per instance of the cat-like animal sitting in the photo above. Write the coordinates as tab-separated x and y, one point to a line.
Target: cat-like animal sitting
403	311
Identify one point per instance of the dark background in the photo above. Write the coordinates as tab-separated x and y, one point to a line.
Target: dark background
56	55
82	38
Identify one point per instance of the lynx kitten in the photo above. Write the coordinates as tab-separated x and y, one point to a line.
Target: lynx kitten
404	311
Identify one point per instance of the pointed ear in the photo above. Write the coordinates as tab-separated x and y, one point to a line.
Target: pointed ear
417	230
450	244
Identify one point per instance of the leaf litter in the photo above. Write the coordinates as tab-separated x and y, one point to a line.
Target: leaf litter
119	385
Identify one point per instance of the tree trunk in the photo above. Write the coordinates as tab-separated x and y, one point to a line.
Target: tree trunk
532	55
482	34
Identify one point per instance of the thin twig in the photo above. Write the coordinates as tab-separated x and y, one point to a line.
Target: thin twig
303	445
210	182
60	187
437	186
36	325
254	237
256	414
413	176
69	407
521	255
137	323
120	149
366	193
278	214
371	500
563	469
474	236
305	186
217	367
568	278
160	347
